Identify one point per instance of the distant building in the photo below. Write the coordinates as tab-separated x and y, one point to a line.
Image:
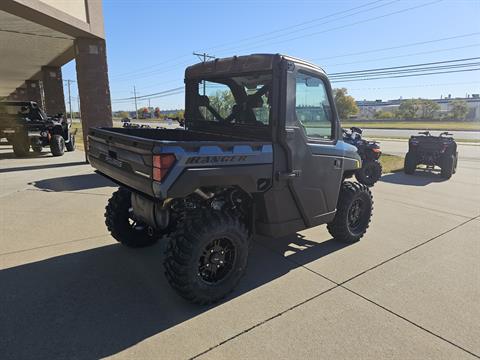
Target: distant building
368	108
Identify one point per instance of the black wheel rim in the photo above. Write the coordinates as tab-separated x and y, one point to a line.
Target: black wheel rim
135	225
356	216
216	261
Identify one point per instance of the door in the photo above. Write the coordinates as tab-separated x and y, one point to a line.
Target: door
315	162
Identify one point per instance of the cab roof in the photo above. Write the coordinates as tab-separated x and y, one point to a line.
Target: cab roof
243	64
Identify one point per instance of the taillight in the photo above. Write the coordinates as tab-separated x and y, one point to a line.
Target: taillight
377	150
161	165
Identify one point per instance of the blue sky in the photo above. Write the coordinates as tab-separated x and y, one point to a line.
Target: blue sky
151	41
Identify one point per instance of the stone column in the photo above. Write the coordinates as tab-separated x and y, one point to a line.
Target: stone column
53	90
93	86
33	91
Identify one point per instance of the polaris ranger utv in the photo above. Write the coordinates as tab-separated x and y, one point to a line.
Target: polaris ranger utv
432	151
261	153
26	125
369	151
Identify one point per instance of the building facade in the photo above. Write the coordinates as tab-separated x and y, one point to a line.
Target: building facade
37	38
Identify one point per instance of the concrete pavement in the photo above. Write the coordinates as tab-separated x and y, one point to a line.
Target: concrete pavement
408	290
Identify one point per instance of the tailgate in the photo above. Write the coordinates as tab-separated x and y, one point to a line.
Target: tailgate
124	158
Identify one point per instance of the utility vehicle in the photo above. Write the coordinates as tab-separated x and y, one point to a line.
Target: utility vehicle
26	125
369	151
261	153
432	151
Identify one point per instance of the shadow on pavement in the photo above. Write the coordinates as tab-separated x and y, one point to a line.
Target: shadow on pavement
73	183
98	302
419	178
41	167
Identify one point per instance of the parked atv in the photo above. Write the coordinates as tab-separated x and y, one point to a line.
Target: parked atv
432	151
26	125
254	158
369	151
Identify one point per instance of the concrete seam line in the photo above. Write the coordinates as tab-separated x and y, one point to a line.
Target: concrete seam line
409	321
51	245
264	322
408	250
426	208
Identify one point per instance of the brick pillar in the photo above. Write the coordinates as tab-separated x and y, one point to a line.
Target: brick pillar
33	91
53	90
21	94
93	86
13	96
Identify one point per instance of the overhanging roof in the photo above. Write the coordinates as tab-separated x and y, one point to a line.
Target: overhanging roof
25	48
35	33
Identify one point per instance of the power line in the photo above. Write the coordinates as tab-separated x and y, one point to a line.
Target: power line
371	19
399	46
405	55
408	75
325	22
354	23
404	66
256	36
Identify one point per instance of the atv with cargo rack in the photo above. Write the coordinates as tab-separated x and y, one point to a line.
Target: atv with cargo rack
261	153
26	125
432	151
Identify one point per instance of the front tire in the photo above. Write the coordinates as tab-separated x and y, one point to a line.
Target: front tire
410	163
354	212
203	262
369	173
70	146
57	145
120	222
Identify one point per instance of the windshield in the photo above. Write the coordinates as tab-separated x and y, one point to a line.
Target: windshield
234	100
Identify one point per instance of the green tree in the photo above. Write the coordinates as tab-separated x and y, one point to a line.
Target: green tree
384	114
428	108
408	109
459	109
223	102
346	105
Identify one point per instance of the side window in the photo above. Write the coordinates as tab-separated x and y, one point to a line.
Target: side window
312	107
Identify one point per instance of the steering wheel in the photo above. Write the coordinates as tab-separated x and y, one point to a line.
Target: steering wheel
426	133
445	133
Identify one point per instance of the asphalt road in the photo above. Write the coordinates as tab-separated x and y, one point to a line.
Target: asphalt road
408	290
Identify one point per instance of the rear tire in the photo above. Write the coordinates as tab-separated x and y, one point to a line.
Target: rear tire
70	146
21	146
410	163
369	173
205	263
122	227
456	163
354	212
447	167
57	145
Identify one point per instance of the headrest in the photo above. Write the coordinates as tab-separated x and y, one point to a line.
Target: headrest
254	101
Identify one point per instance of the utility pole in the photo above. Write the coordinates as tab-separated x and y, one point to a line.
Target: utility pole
203	57
135	97
79	110
69	99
